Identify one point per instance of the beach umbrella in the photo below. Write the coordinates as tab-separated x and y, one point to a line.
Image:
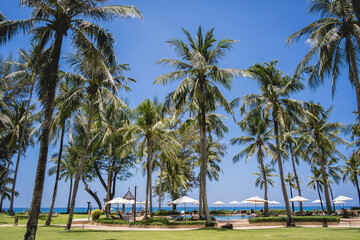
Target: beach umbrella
274	202
247	204
342	198
218	203
318	201
234	202
339	202
256	200
298	199
184	200
196	202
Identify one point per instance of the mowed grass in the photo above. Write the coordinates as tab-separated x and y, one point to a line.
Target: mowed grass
62	219
50	233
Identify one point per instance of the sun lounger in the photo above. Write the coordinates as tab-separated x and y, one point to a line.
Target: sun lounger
179	218
339	212
195	217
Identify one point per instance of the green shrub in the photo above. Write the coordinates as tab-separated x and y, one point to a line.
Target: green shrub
296	219
165	213
152	221
95	214
219	212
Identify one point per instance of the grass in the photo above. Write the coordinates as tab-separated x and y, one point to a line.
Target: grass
51	233
62	219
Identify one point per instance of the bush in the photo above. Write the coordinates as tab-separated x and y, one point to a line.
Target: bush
296	219
165	213
95	214
152	221
218	212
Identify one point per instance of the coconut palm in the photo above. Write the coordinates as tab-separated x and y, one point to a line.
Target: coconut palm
290	181
198	90
322	137
316	183
257	142
151	131
50	22
264	179
275	88
335	39
356	6
351	171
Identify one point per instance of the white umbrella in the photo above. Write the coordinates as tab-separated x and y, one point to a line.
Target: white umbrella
218	203
317	201
142	203
299	199
117	200
339	202
273	202
196	202
234	202
256	200
184	200
342	198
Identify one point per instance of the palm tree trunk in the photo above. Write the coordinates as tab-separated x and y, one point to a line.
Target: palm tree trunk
296	176
289	222
150	194
92	194
332	197
325	182
291	195
69	200
266	204
160	193
5	179
354	69
201	214
203	165
11	212
81	165
51	72
108	190
356	6
357	187
148	179
318	190
57	176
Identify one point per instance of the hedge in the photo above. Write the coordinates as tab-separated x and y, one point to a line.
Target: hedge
151	221
219	212
165	213
296	219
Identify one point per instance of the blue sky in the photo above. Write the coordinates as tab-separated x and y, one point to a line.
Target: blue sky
261	28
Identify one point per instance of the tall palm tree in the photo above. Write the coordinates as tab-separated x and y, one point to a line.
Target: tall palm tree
334	38
264	179
290	181
150	131
198	90
55	20
98	83
316	182
275	88
351	171
356	6
322	137
257	142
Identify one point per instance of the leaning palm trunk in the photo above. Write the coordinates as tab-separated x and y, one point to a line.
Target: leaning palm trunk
332	197
70	191
57	176
148	178
289	222
51	82
325	182
5	179
296	177
108	190
81	165
318	190
11	212
203	165
266	204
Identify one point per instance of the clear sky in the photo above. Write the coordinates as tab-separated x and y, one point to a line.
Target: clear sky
261	27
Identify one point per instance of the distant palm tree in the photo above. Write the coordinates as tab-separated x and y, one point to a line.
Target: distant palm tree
264	178
275	90
316	183
351	171
52	21
258	142
291	182
335	38
198	90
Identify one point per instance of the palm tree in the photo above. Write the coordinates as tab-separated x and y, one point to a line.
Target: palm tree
356	6
198	90
98	83
335	38
290	181
264	178
258	143
275	88
54	20
322	138
351	171
16	115
316	182
151	131
61	124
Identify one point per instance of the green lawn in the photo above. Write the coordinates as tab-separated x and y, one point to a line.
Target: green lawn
50	233
62	219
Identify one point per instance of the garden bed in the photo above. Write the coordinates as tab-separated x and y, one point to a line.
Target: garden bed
298	220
